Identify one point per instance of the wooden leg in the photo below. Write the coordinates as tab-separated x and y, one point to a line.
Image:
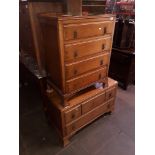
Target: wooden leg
65	141
110	113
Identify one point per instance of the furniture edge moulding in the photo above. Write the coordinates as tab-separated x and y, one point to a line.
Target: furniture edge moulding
65	97
61	52
64	135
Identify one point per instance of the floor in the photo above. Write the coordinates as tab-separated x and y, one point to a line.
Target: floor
109	135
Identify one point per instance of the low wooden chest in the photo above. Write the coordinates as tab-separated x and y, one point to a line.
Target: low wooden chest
83	109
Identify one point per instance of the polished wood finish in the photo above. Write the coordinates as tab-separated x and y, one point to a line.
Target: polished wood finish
72	114
86	65
94	102
30	40
87	118
81	110
86	79
85	30
110	93
77	49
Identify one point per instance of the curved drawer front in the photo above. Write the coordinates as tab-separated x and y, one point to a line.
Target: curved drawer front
81	49
72	114
91	104
86	79
85	30
89	117
110	93
80	67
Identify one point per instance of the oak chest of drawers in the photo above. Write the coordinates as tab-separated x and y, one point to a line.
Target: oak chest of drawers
77	49
83	109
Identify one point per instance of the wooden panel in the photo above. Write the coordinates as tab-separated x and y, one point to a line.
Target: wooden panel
52	54
66	125
73	114
85	80
93	103
110	93
85	30
80	49
34	9
87	118
80	67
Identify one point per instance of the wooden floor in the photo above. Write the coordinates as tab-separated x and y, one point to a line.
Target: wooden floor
109	135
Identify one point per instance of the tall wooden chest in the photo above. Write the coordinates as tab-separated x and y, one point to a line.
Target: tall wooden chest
77	49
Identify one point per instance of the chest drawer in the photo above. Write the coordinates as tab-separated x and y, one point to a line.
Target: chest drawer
89	117
86	79
85	30
72	114
91	104
80	67
81	49
110	93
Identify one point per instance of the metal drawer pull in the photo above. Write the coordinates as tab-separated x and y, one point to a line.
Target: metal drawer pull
75	34
110	95
76	109
75	72
103	46
105	30
73	116
75	54
101	62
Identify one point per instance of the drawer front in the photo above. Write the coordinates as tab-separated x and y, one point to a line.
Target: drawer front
110	93
86	79
81	49
91	104
85	30
80	67
72	114
86	119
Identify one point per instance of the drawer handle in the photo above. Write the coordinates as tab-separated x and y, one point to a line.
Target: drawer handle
75	72
103	46
99	76
75	34
105	30
73	116
110	95
101	62
75	54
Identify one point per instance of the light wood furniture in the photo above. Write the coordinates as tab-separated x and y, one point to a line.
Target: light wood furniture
82	109
77	50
